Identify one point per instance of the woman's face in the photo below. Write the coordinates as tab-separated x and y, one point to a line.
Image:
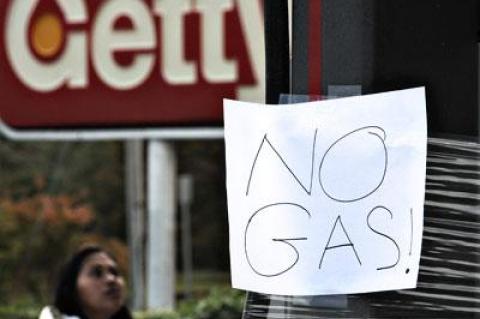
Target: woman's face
100	288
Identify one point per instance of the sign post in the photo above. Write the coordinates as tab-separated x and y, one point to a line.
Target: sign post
161	225
135	193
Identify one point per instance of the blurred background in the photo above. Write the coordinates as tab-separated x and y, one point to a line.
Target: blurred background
56	196
143	173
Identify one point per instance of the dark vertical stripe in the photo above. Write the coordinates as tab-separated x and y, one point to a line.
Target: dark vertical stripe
300	37
276	49
314	47
347	43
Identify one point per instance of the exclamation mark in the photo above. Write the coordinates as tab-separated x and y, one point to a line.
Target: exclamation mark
411	237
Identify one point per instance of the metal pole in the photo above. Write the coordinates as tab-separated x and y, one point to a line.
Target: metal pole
186	198
161	225
124	134
134	186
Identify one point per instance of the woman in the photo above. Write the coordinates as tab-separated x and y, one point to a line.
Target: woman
90	288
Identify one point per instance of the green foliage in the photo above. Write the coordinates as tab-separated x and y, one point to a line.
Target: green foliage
36	235
15	312
50	198
157	315
56	195
90	173
219	304
206	162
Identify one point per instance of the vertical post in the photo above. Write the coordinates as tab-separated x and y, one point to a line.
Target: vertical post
185	198
134	181
300	48
161	225
277	51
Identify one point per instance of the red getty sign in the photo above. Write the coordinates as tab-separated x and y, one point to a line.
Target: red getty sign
94	63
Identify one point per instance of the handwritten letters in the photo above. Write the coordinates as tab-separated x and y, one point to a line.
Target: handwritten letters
326	197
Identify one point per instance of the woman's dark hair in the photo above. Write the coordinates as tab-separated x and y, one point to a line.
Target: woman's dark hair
66	298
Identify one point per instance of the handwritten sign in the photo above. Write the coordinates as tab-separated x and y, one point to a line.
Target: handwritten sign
326	197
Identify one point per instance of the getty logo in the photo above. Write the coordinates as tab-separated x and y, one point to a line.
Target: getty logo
29	43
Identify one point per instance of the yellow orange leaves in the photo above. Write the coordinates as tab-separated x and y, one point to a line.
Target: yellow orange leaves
53	210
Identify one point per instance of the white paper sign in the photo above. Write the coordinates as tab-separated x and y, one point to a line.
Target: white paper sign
326	197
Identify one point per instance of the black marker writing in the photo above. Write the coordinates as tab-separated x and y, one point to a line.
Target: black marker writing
274	208
348	243
384	209
267	141
329	188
